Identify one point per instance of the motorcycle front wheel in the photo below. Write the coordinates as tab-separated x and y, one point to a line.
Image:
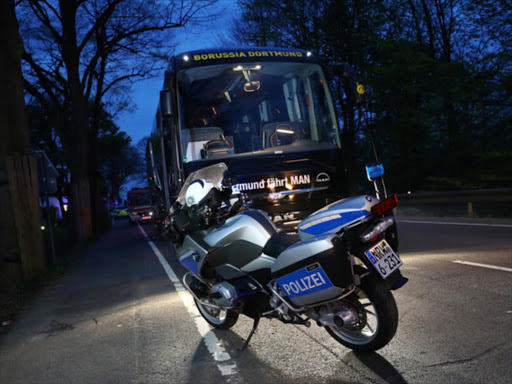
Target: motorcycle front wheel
378	314
220	319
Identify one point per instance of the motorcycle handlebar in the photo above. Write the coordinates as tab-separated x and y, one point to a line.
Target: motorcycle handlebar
185	219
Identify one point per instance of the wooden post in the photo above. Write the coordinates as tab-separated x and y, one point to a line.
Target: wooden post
21	240
470	208
11	275
24	195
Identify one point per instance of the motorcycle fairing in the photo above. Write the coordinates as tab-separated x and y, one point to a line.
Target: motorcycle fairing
190	260
236	244
244	286
237	253
251	225
192	253
229	272
334	217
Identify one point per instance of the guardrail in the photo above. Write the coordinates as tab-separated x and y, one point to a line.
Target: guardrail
469	197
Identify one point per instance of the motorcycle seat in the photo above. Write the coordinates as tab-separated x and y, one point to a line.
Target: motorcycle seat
279	242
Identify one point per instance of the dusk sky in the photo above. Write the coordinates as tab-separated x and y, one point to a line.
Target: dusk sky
145	93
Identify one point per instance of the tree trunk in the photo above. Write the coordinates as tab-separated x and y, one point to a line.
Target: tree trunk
80	187
97	208
21	242
80	203
348	144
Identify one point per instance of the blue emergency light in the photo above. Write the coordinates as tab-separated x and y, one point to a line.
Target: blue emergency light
374	171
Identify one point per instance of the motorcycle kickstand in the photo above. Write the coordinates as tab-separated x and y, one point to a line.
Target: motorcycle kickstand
254	326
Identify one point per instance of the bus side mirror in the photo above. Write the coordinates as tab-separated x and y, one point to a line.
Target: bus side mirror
166	103
353	90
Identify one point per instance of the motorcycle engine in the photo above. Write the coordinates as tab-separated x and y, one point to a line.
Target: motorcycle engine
224	295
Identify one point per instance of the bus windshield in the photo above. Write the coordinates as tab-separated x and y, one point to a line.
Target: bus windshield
243	109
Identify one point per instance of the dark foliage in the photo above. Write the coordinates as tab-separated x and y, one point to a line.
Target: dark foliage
438	78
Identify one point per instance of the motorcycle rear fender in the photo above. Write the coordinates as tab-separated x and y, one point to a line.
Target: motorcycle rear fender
394	281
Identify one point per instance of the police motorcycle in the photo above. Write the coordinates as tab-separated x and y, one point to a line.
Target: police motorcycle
338	271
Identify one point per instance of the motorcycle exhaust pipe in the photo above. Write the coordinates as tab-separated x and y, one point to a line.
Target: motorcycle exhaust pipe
338	321
197	288
328	321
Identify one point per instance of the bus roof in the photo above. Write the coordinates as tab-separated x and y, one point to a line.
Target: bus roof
228	55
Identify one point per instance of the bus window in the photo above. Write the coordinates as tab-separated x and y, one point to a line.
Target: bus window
242	109
321	108
292	99
264	116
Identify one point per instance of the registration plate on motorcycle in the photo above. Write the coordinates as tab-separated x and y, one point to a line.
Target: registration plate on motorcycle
383	258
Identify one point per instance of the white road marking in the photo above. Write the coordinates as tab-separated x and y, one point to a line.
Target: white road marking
225	363
483	265
455	223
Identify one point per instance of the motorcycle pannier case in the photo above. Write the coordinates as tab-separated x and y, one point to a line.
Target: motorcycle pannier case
314	270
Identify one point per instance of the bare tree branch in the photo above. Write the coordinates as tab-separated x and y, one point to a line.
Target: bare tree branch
100	22
55	12
120	79
41	14
45	82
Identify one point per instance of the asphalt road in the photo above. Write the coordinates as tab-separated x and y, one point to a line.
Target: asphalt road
117	317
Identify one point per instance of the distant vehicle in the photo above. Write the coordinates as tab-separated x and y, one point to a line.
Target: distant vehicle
139	205
119	212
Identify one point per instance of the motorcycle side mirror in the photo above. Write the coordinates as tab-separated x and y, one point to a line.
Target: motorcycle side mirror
374	171
166	98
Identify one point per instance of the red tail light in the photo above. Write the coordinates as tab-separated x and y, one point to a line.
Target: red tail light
385	205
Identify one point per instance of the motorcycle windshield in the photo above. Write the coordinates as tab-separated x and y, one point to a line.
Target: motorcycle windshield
214	174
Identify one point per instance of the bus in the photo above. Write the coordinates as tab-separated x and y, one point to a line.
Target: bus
265	112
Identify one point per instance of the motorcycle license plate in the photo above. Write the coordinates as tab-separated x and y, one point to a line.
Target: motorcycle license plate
383	258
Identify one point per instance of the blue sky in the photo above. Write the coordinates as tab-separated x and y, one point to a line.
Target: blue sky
145	93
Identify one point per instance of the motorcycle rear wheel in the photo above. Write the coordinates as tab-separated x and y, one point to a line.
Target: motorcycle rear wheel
381	318
220	319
